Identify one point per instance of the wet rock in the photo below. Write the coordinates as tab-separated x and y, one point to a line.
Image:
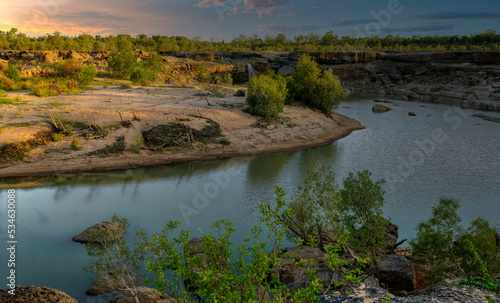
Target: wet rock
412	114
481	94
35	295
379	108
414	96
396	272
111	229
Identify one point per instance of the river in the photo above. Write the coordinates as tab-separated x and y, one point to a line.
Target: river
441	152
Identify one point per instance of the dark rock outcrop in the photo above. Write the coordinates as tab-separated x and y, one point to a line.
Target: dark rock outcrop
396	272
32	294
110	228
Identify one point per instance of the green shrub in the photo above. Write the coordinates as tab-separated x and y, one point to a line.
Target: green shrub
142	76
75	144
225	79
266	95
240	93
45	91
305	77
56	137
138	145
154	62
86	75
122	64
320	90
13	73
328	92
6	83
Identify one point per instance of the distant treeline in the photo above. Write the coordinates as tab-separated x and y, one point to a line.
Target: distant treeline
13	40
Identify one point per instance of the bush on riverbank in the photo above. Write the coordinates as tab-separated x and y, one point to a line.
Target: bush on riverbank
266	95
320	90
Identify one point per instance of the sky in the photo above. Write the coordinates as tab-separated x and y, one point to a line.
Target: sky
227	19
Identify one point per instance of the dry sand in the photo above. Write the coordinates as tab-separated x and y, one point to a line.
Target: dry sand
300	128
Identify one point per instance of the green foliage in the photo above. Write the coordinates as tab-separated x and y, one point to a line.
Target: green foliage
361	213
225	79
321	90
142	76
305	76
122	64
154	62
449	251
13	73
58	137
240	93
266	95
85	76
113	258
75	144
138	145
313	211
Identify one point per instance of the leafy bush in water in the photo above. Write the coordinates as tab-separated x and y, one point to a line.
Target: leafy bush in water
13	73
86	75
266	95
142	76
321	90
122	64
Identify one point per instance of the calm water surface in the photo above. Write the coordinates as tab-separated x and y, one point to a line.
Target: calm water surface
442	152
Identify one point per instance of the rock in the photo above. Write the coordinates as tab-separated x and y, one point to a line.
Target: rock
170	81
145	295
31	72
32	294
396	272
437	88
286	70
4	64
381	108
110	227
414	96
481	94
384	79
105	285
50	57
294	276
435	99
412	114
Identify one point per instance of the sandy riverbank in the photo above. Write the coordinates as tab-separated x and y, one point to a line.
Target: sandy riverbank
299	128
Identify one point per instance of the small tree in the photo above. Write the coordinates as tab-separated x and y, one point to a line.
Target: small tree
305	77
266	96
328	92
142	76
122	64
361	208
85	76
115	261
13	73
435	238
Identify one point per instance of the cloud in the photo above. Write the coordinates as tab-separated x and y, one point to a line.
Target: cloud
271	28
263	8
349	22
459	16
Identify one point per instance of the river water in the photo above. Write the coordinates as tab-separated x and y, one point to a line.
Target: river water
441	152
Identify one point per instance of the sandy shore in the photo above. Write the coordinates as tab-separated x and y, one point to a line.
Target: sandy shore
299	128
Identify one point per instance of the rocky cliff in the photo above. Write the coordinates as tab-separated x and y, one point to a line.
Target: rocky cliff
473	77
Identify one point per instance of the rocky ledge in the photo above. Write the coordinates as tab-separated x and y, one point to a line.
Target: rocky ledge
34	294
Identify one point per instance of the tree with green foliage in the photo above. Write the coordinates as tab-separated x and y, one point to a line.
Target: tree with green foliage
320	90
13	73
122	64
361	202
142	75
113	260
448	251
266	95
85	76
